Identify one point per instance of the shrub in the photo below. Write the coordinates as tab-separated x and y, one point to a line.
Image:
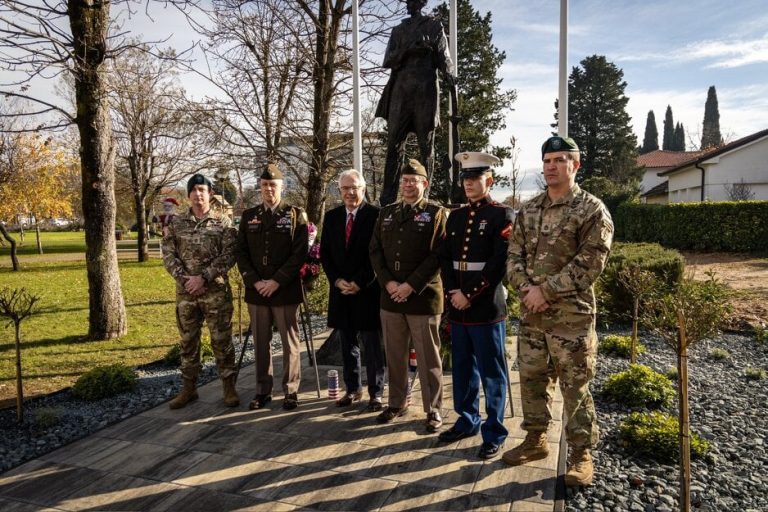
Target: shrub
619	345
734	226
719	354
672	373
639	386
47	417
317	297
755	374
105	381
173	356
615	302
761	334
656	435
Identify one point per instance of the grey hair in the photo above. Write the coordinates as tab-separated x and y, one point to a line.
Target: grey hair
354	173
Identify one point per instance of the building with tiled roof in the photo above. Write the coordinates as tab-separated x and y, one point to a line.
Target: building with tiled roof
656	162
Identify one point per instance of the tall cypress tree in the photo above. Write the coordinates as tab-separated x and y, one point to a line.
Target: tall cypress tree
668	143
679	137
483	103
599	121
710	134
651	138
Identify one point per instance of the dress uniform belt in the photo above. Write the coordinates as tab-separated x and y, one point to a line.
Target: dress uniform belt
468	265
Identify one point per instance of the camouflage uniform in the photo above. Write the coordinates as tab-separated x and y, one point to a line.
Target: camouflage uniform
561	246
203	247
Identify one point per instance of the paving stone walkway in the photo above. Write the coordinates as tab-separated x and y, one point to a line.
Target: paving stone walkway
207	457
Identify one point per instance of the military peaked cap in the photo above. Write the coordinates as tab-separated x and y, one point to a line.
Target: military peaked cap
271	172
475	163
413	166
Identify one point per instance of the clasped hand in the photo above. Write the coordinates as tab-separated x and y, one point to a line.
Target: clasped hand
533	298
347	287
266	287
399	292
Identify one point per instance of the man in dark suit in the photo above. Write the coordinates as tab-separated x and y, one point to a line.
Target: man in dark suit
353	305
272	247
401	251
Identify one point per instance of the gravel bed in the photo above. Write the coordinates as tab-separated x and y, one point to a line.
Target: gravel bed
726	408
58	419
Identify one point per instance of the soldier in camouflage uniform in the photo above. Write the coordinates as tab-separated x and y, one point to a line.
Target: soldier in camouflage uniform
559	247
198	251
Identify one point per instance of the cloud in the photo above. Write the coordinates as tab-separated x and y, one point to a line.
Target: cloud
723	53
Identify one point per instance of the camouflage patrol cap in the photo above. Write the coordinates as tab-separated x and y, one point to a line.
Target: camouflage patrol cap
198	179
271	172
413	166
557	143
475	163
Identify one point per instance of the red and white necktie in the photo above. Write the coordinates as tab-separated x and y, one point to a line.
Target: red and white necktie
348	229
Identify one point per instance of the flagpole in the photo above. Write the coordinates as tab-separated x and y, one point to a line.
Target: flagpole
453	50
357	141
562	102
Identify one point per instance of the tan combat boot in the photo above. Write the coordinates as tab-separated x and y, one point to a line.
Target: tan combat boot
534	447
580	469
230	394
188	394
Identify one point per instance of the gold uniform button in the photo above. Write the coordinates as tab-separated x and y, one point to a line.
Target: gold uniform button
463	256
466	248
472	214
466	239
469	230
470	221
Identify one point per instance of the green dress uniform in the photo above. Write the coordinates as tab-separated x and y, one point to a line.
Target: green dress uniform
203	247
402	250
561	246
272	244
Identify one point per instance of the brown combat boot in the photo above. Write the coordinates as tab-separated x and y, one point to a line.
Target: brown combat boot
580	469
188	394
230	394
534	447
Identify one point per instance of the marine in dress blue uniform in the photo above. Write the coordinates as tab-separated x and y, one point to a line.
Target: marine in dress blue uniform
473	262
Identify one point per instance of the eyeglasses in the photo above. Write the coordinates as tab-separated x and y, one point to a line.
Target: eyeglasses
411	181
556	160
344	190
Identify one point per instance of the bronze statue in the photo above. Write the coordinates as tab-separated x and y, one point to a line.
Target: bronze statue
417	51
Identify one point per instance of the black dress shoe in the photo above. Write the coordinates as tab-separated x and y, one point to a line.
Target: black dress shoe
451	435
391	413
259	402
489	450
374	405
290	402
348	399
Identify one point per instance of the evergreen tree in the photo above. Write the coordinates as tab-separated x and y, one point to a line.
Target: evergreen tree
651	138
668	143
599	121
710	134
679	137
483	104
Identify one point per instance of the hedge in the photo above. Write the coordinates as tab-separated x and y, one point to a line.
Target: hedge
736	226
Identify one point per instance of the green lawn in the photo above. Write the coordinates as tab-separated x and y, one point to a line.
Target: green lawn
54	242
54	352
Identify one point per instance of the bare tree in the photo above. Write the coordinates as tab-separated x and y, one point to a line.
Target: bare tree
44	40
156	142
516	175
740	191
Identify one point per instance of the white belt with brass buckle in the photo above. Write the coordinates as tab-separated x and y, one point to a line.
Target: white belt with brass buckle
468	266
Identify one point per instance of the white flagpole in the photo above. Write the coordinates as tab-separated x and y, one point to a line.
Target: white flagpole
454	51
562	102
357	140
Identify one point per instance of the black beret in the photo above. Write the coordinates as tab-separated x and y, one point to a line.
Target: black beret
271	172
198	179
554	144
413	166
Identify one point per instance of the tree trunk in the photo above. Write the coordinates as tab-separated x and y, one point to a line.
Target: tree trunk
141	227
19	386
37	237
10	239
89	22
21	229
685	436
633	351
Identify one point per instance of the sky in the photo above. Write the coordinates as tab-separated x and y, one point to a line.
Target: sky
670	53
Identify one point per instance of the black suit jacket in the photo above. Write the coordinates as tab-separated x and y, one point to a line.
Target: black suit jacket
350	262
